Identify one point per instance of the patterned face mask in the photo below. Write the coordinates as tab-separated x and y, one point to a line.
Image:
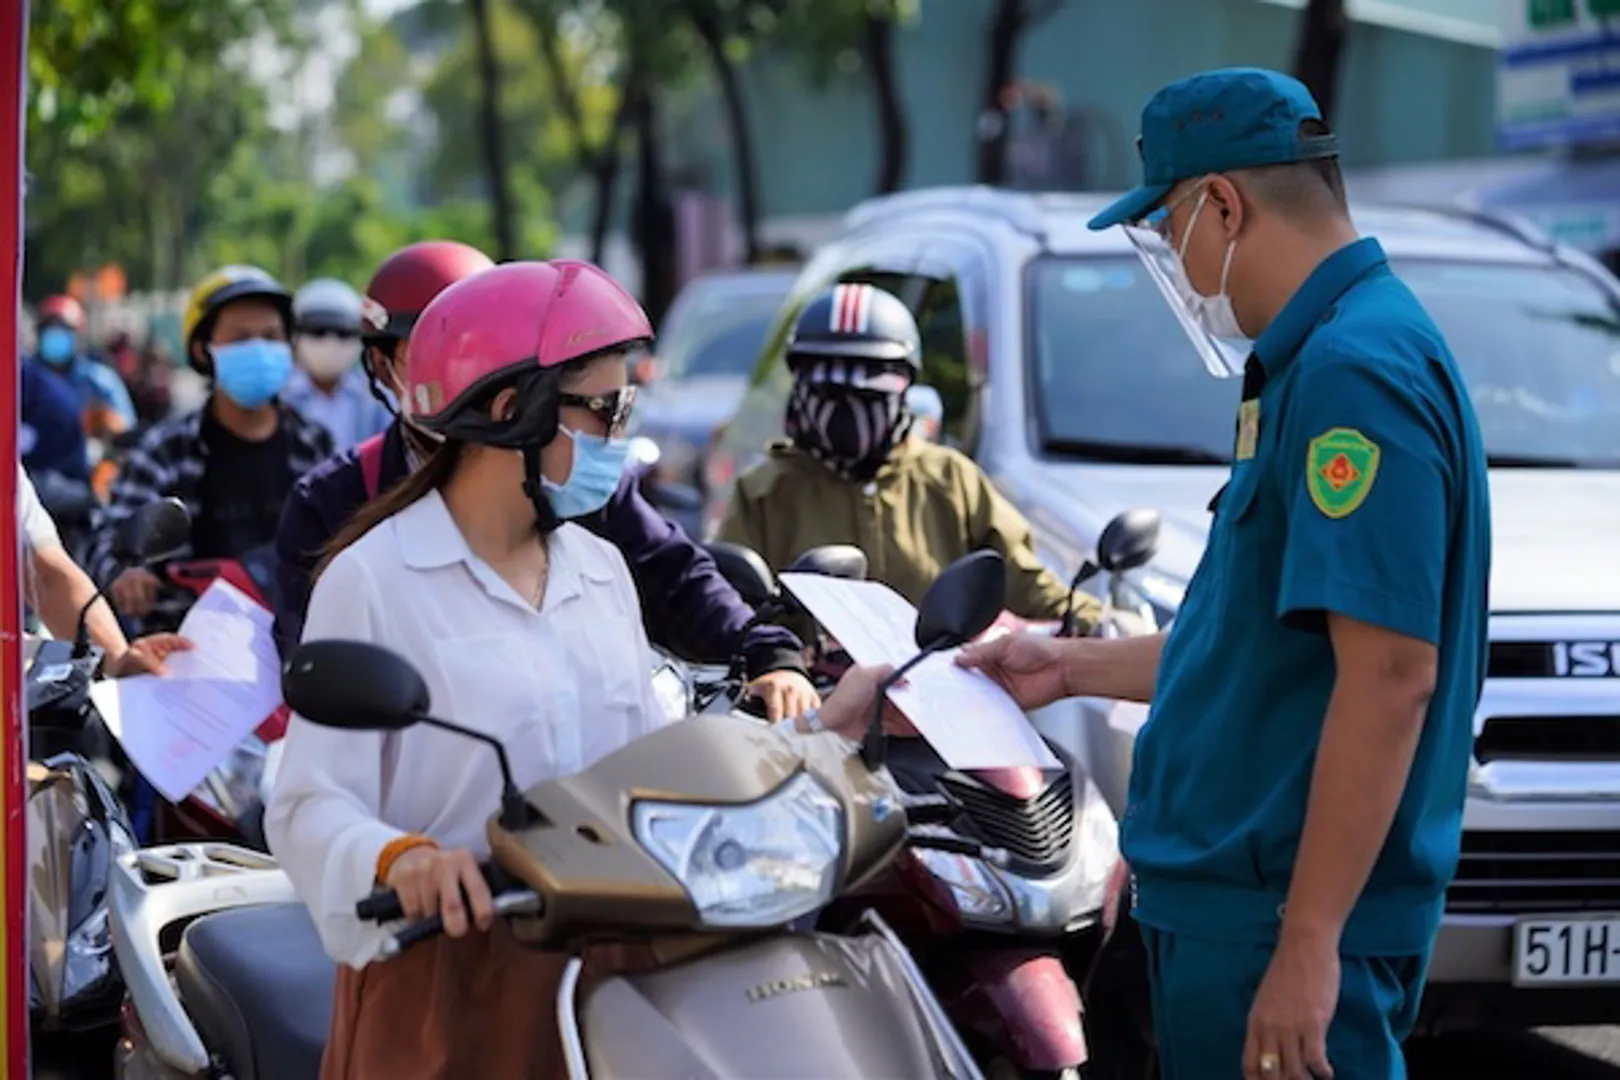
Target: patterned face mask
849	429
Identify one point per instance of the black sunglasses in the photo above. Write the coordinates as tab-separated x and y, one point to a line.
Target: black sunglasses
612	409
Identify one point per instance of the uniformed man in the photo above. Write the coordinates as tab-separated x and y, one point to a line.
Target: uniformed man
1296	806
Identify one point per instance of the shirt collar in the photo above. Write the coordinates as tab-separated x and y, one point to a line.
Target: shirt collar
1329	281
429	539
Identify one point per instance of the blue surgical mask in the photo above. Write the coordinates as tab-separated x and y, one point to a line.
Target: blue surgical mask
252	372
57	345
598	467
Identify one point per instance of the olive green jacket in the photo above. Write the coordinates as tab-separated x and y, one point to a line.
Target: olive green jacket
927	507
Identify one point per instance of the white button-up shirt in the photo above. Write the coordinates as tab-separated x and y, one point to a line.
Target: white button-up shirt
561	687
349	412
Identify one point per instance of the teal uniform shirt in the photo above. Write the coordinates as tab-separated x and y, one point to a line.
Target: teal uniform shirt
1358	487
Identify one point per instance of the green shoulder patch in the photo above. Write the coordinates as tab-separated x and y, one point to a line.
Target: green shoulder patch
1340	466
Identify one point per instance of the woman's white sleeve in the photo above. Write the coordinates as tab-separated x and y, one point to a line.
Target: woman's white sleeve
324	819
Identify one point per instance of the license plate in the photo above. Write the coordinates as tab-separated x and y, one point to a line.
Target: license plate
1562	952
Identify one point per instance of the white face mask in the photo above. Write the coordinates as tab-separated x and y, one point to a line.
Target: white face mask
326	357
1213	313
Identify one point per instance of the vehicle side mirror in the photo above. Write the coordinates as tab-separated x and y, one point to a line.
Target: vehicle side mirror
354	685
963	601
745	570
157	531
1129	541
832	560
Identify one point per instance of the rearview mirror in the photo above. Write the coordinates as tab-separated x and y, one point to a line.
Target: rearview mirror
1129	541
354	685
832	560
157	531
745	570
962	602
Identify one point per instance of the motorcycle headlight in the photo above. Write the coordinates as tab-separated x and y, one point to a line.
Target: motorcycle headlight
978	896
762	864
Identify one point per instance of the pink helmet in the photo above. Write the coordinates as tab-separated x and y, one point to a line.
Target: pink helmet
514	324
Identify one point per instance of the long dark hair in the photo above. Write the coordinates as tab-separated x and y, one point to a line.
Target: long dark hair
434	473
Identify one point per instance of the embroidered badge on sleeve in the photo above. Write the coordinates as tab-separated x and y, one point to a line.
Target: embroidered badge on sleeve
1340	466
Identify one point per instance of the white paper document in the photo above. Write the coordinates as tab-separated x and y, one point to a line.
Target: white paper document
178	727
968	719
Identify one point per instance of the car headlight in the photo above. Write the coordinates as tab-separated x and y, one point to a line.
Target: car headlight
978	896
761	864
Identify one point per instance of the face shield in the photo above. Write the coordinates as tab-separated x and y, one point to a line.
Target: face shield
1223	358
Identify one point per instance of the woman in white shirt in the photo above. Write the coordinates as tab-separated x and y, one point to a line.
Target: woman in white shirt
523	625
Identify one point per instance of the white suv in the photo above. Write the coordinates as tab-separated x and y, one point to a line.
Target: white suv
1067	377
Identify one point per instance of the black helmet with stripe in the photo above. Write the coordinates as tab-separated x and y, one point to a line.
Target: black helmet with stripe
856	322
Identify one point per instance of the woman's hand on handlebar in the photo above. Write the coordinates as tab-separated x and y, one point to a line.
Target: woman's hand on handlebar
434	882
145	656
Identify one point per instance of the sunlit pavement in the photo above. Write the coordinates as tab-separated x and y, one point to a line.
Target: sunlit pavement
1548	1054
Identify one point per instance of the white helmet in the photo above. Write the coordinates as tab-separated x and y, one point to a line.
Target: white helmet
327	304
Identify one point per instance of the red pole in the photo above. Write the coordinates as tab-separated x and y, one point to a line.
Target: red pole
13	839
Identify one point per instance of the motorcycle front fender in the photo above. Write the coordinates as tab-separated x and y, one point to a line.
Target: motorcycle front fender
1026	1004
788	1005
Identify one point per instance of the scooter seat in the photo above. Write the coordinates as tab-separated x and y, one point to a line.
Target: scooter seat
258	986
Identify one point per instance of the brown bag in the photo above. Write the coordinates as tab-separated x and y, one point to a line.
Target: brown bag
449	1008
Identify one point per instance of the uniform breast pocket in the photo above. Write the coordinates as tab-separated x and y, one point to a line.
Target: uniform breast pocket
507	686
1234	537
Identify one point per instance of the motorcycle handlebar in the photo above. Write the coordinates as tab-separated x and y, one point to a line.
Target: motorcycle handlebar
520	902
384	906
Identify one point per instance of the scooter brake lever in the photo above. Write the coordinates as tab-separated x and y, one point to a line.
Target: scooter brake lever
939	840
931	809
523	902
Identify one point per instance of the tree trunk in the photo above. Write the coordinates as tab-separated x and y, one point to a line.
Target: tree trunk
601	162
1321	44
654	215
893	135
494	137
712	34
991	129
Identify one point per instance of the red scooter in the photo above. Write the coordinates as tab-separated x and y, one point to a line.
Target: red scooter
1007	941
229	804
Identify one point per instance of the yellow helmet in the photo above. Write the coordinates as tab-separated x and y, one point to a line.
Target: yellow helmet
221	287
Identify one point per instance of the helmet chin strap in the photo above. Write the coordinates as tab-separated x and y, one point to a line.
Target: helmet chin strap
545	518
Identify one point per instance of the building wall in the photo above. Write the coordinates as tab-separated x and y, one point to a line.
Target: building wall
1403	96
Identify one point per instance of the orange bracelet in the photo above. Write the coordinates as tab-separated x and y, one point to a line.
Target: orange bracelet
396	847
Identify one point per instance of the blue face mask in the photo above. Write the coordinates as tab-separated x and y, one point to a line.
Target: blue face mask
598	466
57	345
252	372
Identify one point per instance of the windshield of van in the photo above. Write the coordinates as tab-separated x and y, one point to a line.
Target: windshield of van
1538	347
720	330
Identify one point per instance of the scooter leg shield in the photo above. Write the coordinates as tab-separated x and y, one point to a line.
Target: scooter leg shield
1026	1004
790	1006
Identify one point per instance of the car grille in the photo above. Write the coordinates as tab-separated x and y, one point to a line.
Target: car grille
1549	738
1530	872
1037	830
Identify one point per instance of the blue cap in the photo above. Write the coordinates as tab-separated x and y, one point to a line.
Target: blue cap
1218	121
